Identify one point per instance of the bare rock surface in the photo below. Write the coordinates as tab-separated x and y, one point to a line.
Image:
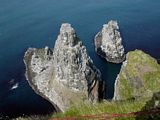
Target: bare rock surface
64	75
108	43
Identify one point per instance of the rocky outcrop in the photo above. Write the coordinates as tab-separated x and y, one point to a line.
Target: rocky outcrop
64	75
138	78
108	43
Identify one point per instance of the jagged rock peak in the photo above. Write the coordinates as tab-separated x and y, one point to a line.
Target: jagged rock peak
108	43
66	28
111	26
66	74
74	67
67	34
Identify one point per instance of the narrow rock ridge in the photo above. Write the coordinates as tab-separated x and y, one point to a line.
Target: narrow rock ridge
108	43
64	75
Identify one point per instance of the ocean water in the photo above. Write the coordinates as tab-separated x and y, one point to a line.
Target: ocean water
30	23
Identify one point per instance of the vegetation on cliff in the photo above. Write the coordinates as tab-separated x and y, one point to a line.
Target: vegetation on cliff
137	89
143	109
104	108
139	77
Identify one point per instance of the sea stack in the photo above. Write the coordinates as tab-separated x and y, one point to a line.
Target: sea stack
66	74
108	43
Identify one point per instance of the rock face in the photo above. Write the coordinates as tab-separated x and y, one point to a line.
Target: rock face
108	43
139	77
64	75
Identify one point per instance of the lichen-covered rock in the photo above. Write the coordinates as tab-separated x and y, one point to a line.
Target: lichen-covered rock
108	43
64	75
139	77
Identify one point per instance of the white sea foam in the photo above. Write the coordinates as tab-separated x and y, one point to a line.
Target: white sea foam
15	86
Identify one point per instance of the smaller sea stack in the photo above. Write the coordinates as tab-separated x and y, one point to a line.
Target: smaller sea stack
108	43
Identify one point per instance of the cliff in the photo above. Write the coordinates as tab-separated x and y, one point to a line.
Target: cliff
138	78
66	74
108	43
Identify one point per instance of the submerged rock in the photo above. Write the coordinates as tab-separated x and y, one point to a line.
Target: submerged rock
64	75
108	43
139	77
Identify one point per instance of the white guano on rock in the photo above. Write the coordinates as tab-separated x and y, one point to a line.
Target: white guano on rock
108	43
66	74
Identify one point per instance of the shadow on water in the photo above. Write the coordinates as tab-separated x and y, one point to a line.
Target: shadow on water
109	72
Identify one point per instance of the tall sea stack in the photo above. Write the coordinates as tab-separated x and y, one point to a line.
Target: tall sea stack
64	75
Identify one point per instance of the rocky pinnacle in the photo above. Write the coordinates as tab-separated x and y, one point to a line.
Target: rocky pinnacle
66	74
108	43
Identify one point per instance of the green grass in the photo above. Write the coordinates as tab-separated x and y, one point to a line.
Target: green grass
106	107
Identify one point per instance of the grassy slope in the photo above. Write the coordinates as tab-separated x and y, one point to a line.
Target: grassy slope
109	108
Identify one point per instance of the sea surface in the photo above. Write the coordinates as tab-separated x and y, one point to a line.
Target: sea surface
36	23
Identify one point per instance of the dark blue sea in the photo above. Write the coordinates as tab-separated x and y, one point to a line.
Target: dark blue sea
36	23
